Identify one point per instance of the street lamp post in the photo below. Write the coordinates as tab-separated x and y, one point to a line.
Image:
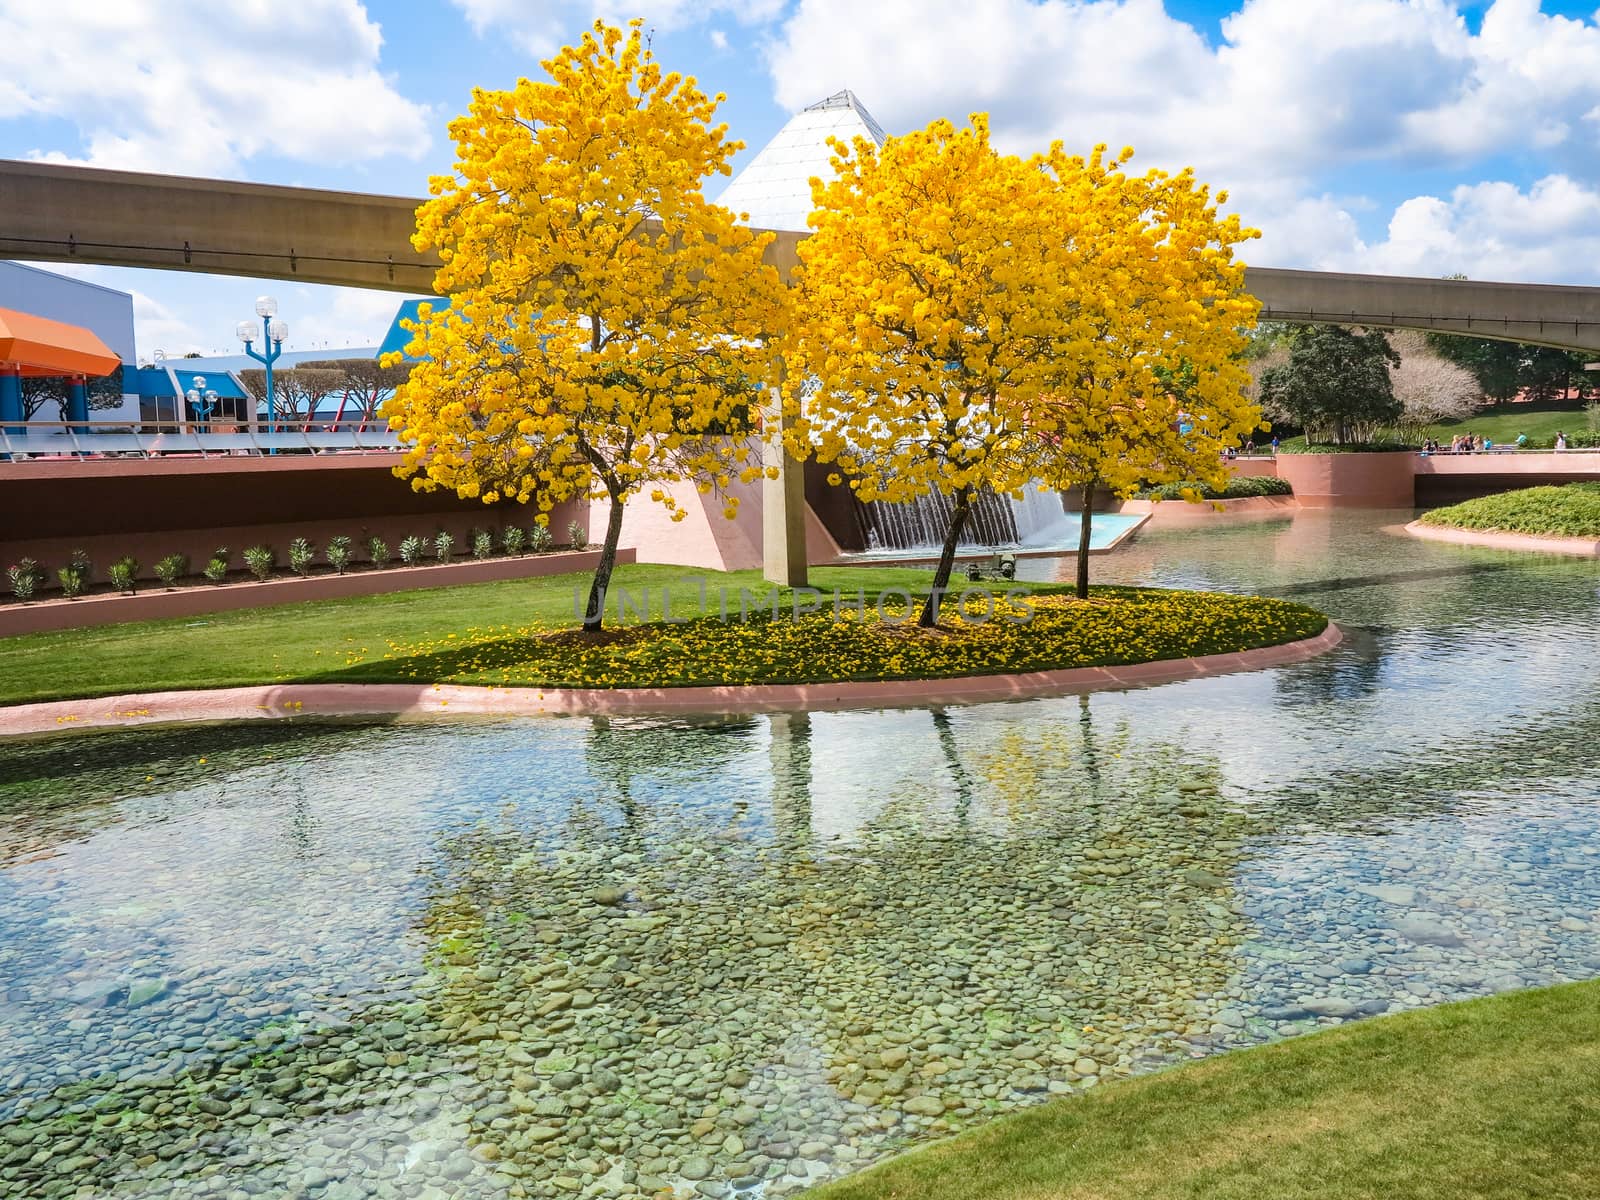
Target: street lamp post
204	400
273	331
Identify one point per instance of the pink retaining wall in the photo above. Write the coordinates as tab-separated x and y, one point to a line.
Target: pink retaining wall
48	615
1350	480
1172	512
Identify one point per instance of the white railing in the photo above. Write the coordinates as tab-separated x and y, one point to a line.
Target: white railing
108	439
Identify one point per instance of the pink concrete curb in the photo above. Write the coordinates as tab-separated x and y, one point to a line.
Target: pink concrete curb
356	699
1584	547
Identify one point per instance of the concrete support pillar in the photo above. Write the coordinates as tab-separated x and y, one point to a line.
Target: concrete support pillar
11	399
783	507
77	403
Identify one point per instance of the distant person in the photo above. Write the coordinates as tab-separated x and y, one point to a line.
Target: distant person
1522	440
1561	440
1488	443
1249	447
1274	444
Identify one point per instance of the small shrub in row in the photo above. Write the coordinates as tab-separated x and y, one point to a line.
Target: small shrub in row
26	577
171	569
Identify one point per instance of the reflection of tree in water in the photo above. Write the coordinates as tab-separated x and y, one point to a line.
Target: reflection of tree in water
1352	672
64	787
1069	919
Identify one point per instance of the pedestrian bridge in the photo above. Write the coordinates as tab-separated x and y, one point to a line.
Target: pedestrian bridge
51	213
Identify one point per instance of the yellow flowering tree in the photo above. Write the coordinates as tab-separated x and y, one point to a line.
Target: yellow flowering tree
607	327
924	320
1149	380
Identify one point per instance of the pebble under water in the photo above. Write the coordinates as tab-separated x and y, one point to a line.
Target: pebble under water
635	957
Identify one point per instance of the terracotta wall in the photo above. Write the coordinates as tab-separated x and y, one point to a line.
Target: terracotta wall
113	507
1350	480
1253	466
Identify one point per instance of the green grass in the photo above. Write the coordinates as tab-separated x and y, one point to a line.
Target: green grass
1568	510
522	633
1492	1099
1500	423
1540	420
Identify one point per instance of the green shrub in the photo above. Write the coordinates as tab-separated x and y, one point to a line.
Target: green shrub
171	569
72	581
482	544
411	550
540	539
1359	448
301	552
513	540
217	569
378	551
339	553
443	545
577	535
261	560
25	577
1239	487
125	574
1570	510
78	560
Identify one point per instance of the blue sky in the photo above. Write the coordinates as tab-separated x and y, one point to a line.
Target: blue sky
1407	136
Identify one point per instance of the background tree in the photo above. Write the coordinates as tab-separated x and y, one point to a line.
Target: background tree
1429	389
297	392
1336	384
1149	380
39	392
605	320
926	313
366	383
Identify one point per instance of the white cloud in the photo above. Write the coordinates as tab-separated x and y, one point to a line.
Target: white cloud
1293	90
1546	233
192	86
157	327
543	28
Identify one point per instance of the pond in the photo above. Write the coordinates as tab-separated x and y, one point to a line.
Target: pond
574	957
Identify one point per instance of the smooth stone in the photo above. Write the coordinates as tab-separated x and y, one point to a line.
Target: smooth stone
1391	893
1427	933
922	1106
696	1167
1329	1006
143	991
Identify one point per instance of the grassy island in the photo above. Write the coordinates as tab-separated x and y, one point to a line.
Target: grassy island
738	631
1568	510
1488	1098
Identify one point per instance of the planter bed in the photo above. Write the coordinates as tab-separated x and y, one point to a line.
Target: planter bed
44	616
1183	510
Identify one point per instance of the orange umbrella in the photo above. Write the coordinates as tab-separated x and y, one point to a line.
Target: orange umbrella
38	346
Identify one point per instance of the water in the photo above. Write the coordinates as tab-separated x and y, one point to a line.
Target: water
496	958
919	525
1058	536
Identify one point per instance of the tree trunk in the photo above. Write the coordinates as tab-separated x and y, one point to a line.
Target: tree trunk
947	558
1084	527
595	613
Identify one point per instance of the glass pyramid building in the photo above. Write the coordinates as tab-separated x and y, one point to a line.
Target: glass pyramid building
775	186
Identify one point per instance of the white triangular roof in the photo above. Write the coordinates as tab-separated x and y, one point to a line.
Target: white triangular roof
775	186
